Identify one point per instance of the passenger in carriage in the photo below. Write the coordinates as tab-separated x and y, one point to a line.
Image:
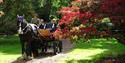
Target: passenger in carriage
52	25
35	20
42	24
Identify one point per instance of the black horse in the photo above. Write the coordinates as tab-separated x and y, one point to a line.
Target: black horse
28	37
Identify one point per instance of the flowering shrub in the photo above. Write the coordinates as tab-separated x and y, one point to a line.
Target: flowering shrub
113	7
73	17
81	19
115	10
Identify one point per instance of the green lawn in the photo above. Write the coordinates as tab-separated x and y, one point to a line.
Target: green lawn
90	52
84	52
9	48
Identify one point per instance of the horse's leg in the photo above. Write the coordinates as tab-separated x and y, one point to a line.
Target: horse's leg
22	46
28	50
22	42
34	49
35	52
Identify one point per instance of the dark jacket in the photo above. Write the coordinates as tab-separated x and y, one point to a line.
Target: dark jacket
53	26
41	26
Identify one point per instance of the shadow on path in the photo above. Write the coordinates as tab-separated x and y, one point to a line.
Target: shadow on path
49	57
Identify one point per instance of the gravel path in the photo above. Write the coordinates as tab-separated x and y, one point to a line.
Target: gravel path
49	57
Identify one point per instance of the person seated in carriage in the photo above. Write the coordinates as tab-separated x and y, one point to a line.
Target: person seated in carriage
54	25
49	35
46	29
50	26
41	24
35	20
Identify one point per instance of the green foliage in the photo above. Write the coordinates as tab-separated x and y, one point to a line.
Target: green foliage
11	8
43	8
77	22
47	9
9	48
106	20
56	6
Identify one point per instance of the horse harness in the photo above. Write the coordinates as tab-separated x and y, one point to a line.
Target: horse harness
20	31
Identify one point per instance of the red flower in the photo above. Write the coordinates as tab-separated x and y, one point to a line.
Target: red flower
88	29
112	7
77	0
84	22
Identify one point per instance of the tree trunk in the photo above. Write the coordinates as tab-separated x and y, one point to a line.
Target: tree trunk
43	8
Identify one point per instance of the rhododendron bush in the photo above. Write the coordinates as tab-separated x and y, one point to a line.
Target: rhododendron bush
115	10
82	16
113	7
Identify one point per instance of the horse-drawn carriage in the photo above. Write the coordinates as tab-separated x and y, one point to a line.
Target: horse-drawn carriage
50	40
32	38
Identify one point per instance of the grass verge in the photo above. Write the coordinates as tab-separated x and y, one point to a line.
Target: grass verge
90	52
9	48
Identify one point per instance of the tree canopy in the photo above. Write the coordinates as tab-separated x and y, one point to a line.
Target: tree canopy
45	9
77	11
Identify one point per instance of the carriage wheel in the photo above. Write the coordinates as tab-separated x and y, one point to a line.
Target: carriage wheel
55	47
60	46
44	46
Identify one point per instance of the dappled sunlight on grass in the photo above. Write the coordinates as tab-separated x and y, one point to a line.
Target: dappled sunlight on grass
88	52
7	58
85	53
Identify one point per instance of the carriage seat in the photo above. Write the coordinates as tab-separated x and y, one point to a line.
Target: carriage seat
44	32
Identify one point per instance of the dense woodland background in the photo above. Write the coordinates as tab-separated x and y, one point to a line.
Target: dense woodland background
46	9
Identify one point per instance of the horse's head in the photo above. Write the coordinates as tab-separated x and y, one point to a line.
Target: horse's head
20	18
21	23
